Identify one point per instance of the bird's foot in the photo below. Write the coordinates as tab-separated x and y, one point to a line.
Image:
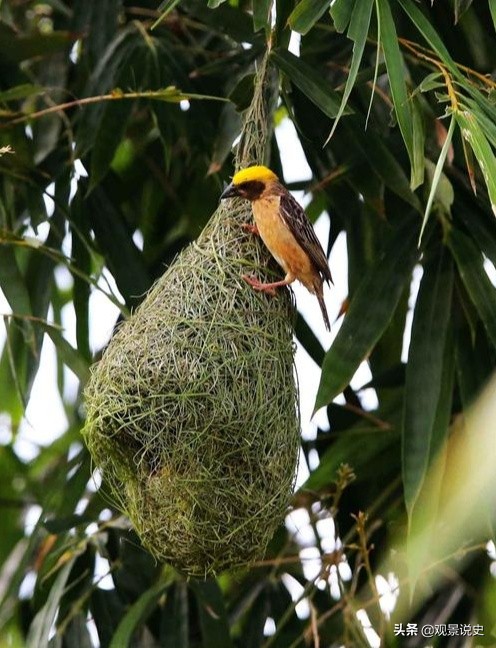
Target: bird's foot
251	229
258	285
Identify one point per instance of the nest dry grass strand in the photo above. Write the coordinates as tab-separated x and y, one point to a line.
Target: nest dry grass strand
192	412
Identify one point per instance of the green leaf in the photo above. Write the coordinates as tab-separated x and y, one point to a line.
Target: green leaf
306	14
484	114
20	92
174	621
213	4
213	618
492	8
68	354
425	510
358	447
108	136
107	609
241	96
115	240
59	525
77	634
357	32
165	7
471	267
136	615
442	419
15	48
98	22
309	340
80	253
425	27
473	133
418	140
43	621
432	81
384	164
308	81
12	282
424	370
474	362
261	14
341	11
19	362
482	228
396	75
437	176
461	7
369	313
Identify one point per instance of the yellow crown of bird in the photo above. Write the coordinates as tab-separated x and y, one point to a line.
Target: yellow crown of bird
261	173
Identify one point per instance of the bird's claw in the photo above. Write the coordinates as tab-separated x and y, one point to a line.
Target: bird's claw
251	229
258	285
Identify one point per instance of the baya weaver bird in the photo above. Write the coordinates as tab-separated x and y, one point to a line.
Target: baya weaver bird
286	231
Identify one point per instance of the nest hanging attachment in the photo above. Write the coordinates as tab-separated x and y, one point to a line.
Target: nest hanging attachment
192	413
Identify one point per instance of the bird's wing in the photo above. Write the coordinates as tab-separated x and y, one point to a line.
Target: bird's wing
297	222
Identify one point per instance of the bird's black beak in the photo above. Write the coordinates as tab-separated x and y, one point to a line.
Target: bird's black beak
229	192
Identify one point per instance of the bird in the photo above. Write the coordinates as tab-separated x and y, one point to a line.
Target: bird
283	226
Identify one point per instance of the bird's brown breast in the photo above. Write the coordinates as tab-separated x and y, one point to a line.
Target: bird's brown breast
279	239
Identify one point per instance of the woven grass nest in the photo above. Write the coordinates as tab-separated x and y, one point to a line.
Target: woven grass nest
192	413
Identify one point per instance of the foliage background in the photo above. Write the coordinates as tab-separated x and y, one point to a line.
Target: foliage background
427	155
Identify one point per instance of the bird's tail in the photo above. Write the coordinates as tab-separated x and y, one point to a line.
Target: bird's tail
319	292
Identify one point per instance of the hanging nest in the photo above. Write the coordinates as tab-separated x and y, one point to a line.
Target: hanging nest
192	412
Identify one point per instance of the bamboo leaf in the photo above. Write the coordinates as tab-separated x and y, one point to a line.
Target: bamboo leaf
474	362
425	510
77	634
41	626
461	6
492	8
424	371
471	268
12	282
307	338
99	22
108	136
306	14
136	615
341	11
80	234
20	92
261	14
432	81
68	354
384	164
165	8
437	176
15	48
418	141
369	313
396	75
361	447
429	33
174	630
482	228
107	610
213	618
357	32
308	81
115	240
473	133
484	114
376	66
